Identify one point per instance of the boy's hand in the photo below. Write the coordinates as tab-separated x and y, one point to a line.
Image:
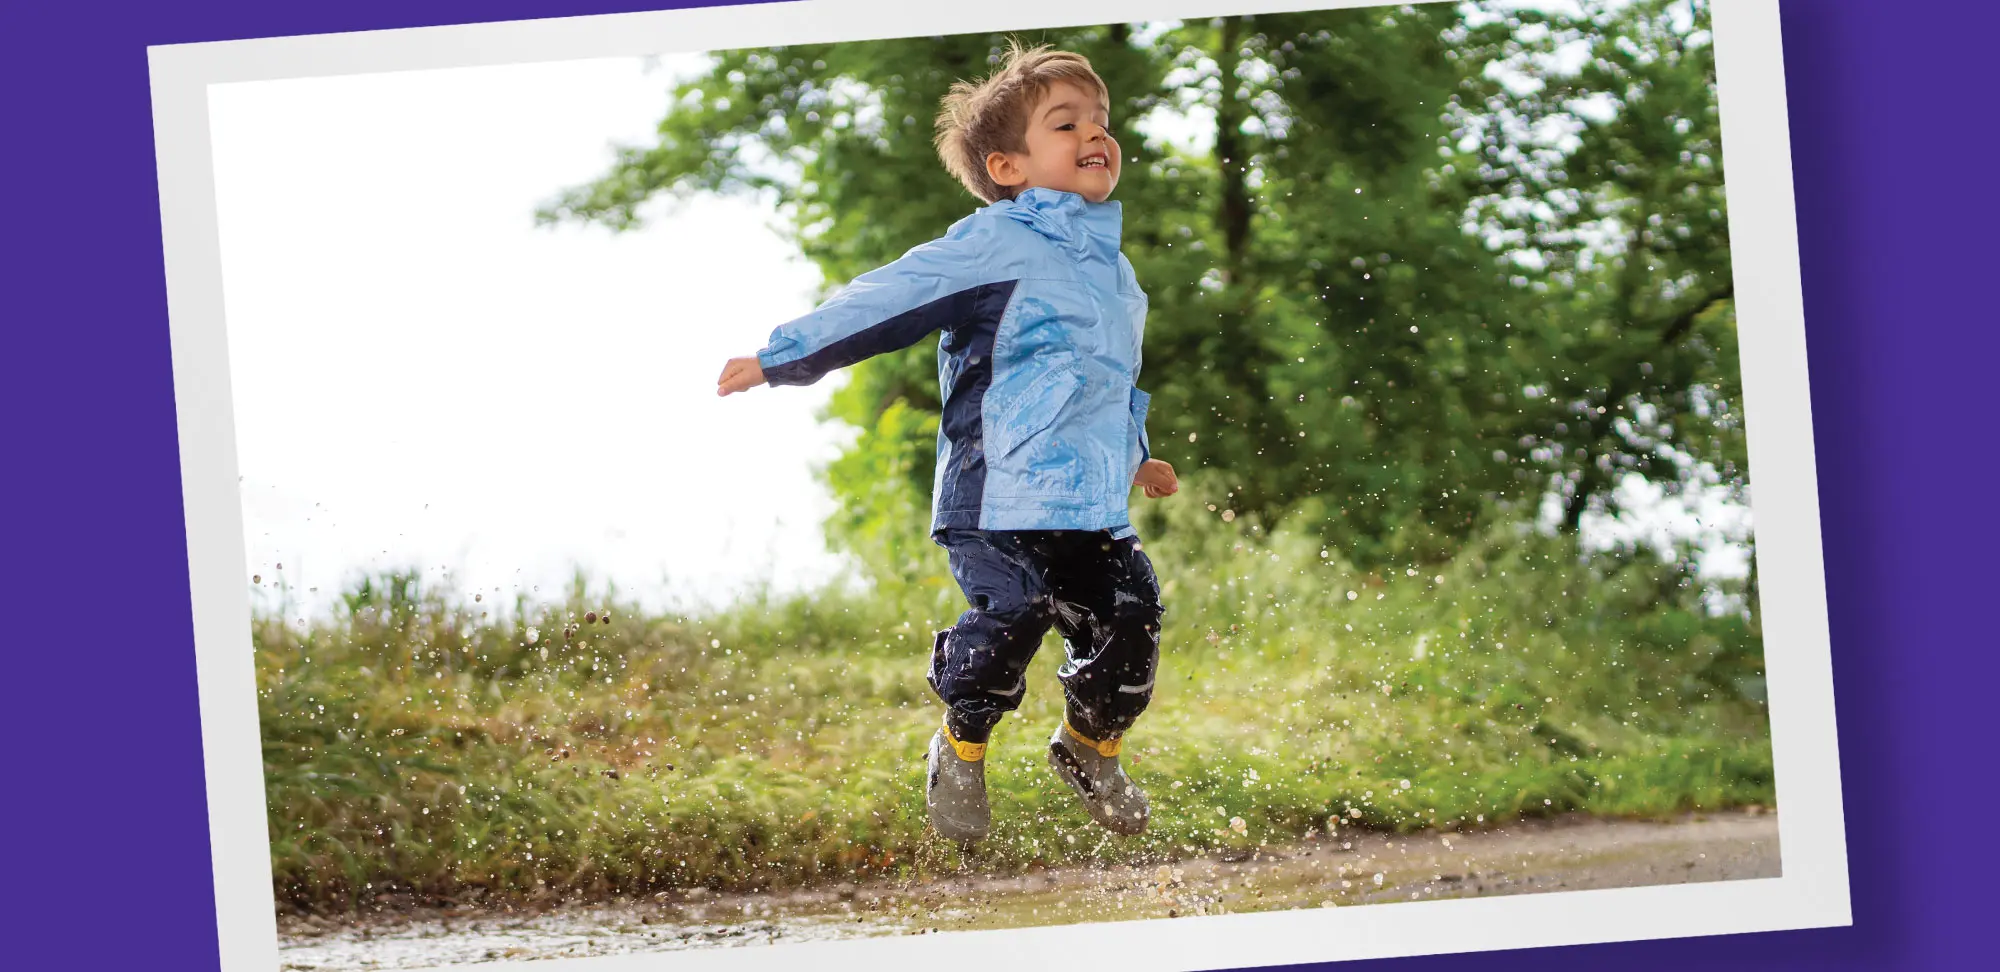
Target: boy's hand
1157	478
740	374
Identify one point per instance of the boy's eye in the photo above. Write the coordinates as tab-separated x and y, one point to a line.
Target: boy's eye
1066	126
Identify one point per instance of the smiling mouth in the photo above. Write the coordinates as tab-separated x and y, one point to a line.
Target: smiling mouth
1092	162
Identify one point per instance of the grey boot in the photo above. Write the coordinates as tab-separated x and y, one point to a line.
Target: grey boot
955	788
1111	797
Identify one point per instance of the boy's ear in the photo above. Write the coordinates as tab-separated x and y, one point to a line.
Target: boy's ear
1004	170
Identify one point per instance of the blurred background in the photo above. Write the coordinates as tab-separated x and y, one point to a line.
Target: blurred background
1441	342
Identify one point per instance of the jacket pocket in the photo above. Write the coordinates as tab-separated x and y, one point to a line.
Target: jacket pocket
1035	410
1140	403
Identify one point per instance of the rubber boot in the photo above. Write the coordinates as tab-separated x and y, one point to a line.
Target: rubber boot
955	788
1091	768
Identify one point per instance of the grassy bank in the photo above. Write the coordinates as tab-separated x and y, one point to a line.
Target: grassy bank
422	741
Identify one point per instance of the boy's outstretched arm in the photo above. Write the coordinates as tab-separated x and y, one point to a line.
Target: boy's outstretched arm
934	286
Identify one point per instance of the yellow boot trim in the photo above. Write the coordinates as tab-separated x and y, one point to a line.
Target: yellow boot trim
968	751
1107	749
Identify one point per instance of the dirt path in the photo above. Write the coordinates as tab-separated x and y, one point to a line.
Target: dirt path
1569	854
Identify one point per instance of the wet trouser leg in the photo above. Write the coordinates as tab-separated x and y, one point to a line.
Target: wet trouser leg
979	665
1100	592
1108	609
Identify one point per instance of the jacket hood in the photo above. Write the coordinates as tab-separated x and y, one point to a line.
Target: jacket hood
1066	218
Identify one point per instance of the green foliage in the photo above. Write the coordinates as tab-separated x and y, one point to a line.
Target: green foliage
1630	230
422	743
1421	274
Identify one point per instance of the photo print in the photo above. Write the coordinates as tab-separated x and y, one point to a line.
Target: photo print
1217	468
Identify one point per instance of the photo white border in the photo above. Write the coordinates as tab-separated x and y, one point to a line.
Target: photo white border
1813	891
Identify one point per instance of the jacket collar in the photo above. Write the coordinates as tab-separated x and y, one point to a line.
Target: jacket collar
1066	218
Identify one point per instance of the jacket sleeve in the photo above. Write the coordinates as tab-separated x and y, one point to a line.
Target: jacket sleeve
886	309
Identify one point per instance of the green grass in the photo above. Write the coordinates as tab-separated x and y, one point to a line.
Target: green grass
419	743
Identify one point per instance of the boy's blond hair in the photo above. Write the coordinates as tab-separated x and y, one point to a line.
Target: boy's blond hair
983	117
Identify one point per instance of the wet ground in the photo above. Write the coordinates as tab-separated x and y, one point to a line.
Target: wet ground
1569	854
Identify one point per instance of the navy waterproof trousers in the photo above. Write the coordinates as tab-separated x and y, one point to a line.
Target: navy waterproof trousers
1099	592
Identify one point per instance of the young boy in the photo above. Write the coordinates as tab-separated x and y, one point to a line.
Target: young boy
1042	433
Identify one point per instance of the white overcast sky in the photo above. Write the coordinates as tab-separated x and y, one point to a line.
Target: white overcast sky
422	378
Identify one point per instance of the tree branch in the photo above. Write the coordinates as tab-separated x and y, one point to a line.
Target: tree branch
1680	325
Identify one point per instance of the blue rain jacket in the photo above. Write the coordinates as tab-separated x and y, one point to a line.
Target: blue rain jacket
1042	426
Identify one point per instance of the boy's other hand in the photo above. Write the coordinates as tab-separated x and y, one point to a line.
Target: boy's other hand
740	374
1157	479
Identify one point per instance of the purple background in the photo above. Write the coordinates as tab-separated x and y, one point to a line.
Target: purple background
106	841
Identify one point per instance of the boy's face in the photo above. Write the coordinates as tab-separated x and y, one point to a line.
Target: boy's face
1069	148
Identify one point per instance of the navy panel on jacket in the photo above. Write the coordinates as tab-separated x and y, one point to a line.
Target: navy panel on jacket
968	349
894	334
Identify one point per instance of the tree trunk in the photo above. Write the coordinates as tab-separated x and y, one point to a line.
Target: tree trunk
1239	355
1579	501
1234	215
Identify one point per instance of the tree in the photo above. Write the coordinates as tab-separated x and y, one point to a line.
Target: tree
1417	274
1609	180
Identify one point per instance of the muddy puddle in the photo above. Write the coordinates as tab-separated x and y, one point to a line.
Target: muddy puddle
1569	854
